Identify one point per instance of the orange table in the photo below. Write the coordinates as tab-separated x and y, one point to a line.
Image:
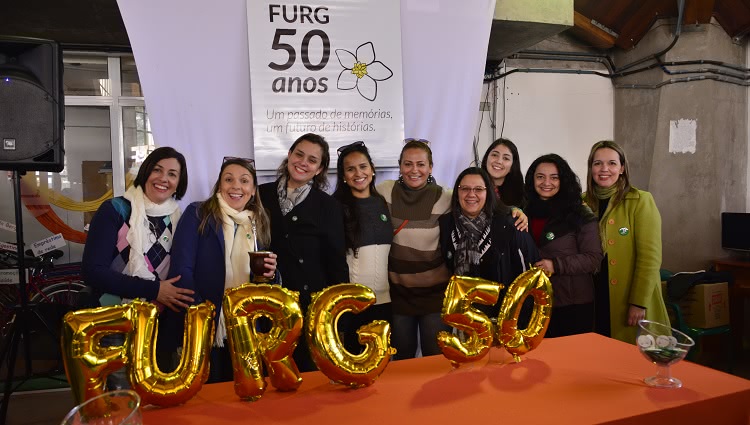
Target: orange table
581	379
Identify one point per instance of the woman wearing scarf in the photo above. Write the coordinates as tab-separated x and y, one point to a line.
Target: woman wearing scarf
628	285
478	237
567	234
211	253
416	270
307	227
127	252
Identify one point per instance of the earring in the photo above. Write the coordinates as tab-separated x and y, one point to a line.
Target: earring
430	179
401	179
344	181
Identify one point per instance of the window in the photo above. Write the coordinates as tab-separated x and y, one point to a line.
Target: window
107	133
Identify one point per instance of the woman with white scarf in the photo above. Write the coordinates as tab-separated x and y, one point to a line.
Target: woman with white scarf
211	254
127	252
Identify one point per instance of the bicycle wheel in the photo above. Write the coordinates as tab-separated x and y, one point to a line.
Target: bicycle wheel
63	293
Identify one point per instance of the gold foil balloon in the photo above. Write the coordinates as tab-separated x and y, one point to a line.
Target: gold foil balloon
176	387
459	313
87	363
532	282
242	306
329	354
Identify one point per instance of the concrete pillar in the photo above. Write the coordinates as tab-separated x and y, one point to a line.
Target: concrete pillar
691	188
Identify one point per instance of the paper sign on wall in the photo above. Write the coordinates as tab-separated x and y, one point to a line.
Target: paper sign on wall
7	226
8	246
9	277
48	244
332	69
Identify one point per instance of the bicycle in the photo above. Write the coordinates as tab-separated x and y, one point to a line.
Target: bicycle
53	290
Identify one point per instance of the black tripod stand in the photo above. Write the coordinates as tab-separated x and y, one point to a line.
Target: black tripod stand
26	314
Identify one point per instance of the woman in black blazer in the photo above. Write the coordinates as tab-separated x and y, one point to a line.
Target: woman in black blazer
307	227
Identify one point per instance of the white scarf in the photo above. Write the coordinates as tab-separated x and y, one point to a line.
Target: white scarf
236	249
140	209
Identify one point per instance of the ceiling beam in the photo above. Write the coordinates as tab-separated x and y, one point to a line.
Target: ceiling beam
698	12
593	34
638	23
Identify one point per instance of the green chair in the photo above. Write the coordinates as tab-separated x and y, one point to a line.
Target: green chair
696	333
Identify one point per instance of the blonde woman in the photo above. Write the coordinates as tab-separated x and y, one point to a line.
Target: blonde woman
211	253
628	285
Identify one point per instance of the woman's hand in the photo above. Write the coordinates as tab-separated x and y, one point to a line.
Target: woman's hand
174	297
547	266
522	222
270	263
635	314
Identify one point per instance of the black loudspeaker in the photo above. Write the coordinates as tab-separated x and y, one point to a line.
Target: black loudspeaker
32	105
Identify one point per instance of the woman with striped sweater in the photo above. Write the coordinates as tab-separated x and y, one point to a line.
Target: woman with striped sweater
416	270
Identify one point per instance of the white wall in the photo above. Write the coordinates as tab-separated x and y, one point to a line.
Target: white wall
551	113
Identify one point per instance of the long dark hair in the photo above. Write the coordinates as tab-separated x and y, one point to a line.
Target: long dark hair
623	182
511	192
343	193
491	205
320	181
150	162
567	204
210	207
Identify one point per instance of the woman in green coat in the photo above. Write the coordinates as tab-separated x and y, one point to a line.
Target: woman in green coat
628	286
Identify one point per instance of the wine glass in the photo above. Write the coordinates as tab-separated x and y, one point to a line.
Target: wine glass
121	407
663	346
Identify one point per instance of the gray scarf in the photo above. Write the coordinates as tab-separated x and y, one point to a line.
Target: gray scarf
287	201
471	239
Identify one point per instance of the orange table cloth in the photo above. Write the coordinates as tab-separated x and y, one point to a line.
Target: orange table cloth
582	379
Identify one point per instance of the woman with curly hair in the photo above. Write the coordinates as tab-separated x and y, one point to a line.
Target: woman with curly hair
566	232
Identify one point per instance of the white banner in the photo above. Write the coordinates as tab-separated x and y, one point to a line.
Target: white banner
333	69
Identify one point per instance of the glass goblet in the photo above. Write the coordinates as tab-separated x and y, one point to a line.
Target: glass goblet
121	407
662	346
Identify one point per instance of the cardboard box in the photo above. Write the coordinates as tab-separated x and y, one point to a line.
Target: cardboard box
704	306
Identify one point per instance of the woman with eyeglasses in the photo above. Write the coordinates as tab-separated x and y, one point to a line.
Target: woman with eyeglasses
212	243
128	250
479	239
307	227
417	273
368	231
628	285
567	234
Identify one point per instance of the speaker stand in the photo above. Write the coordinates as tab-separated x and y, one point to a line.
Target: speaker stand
26	314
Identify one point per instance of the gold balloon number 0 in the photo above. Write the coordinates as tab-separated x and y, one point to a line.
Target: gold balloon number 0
478	331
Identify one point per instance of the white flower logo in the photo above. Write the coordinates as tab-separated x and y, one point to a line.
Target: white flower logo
361	71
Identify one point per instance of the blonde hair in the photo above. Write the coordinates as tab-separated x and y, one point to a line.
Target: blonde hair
210	207
623	182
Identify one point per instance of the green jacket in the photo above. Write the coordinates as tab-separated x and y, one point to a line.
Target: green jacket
631	238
